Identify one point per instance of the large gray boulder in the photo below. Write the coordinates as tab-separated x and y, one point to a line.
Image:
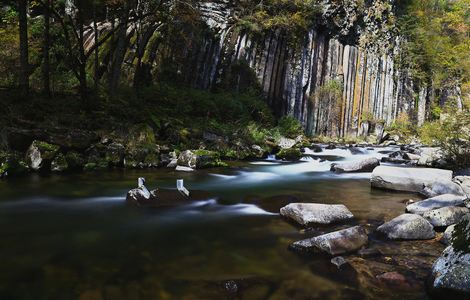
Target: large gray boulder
430	156
464	183
187	159
445	200
445	216
334	243
366	165
307	213
407	179
40	155
451	271
442	187
407	227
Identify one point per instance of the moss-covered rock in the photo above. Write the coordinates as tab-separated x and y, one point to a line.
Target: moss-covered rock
75	160
461	235
114	154
291	154
40	155
141	149
11	164
59	164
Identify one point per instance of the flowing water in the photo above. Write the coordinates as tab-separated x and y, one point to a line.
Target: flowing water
74	237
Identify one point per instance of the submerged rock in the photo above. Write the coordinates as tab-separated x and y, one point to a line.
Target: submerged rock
445	200
445	216
407	179
366	165
307	213
407	227
334	243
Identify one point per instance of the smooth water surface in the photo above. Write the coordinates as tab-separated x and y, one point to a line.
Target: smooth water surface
74	237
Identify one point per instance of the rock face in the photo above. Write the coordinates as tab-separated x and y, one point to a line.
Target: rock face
445	216
366	165
407	227
307	213
445	200
334	243
407	179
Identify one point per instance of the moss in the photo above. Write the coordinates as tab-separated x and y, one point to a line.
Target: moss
289	154
91	166
75	160
48	151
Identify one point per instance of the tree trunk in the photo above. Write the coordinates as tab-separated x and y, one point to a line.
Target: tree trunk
97	62
82	61
47	39
24	62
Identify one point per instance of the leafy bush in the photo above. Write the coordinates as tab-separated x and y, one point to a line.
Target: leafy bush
452	134
290	127
402	126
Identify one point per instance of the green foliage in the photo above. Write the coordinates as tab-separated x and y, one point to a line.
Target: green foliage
291	154
452	134
402	126
290	127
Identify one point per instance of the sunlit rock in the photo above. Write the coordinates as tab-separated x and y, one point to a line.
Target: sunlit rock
366	165
334	243
445	200
407	227
445	216
307	213
442	187
407	179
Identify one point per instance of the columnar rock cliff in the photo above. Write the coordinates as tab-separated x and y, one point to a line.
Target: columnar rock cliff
372	87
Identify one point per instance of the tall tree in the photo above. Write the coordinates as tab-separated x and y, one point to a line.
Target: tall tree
46	67
24	53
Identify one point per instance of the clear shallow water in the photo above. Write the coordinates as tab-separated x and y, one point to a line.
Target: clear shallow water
73	236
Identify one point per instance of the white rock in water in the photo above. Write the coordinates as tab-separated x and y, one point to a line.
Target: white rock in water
442	187
407	179
445	200
407	227
184	169
335	243
366	165
306	213
445	216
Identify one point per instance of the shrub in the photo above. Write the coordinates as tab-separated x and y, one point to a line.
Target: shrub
290	127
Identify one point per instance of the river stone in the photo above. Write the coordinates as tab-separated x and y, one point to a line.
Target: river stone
286	143
445	200
187	159
306	213
447	236
334	243
40	155
442	187
407	179
407	227
183	169
430	156
445	216
366	165
451	272
464	182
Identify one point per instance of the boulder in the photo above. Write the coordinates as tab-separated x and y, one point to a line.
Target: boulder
451	273
59	164
141	150
307	213
187	159
407	227
334	243
286	143
141	195
11	164
366	165
173	163
447	236
357	150
445	200
40	155
411	156
442	187
445	216
430	156
464	183
407	179
199	159
291	154
183	169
